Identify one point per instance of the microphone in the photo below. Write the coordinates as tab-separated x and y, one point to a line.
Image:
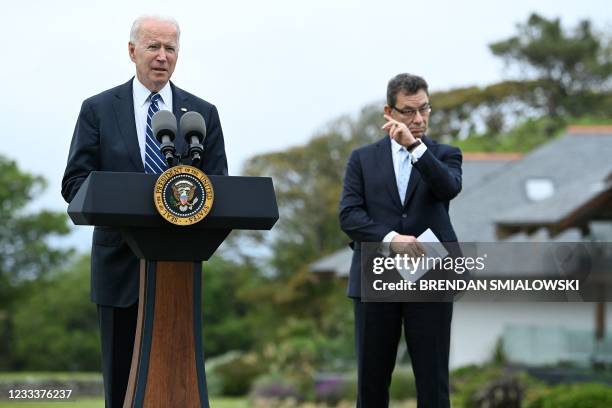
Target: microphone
193	129
163	125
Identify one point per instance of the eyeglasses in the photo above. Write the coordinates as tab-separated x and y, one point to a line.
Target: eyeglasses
411	113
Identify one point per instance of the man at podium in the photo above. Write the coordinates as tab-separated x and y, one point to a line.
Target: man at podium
113	133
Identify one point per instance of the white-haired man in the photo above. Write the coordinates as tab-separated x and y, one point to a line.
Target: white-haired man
111	134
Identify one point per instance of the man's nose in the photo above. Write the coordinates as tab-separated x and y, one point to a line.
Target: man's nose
418	118
161	55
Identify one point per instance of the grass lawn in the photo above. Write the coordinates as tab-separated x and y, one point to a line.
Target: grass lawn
54	375
214	403
99	403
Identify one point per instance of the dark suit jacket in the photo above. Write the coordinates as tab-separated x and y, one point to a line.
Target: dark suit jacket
370	207
105	139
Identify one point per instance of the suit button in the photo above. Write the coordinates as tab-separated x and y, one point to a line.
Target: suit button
404	215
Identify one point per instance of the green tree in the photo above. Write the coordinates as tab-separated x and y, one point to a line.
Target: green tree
489	111
56	327
308	183
25	254
573	67
229	318
292	303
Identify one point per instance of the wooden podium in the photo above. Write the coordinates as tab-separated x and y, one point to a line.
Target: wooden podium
168	364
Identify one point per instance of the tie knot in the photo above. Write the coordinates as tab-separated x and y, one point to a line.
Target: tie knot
155	97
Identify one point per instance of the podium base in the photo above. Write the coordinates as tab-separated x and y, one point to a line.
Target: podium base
168	363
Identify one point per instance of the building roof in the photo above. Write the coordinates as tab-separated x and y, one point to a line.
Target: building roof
479	167
337	263
575	203
575	163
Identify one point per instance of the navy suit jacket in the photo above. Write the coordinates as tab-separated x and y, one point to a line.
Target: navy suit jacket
370	206
105	139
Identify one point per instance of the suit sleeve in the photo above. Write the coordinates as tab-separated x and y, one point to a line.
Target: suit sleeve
83	156
443	176
214	161
354	218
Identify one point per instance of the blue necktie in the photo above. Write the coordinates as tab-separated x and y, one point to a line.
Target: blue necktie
154	161
403	175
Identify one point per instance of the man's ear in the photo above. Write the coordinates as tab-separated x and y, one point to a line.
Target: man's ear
388	109
131	48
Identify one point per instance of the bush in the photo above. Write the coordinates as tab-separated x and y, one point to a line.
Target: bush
271	390
233	373
343	387
471	383
331	388
571	396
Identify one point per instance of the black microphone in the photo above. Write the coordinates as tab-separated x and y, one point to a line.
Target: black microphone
193	129
163	124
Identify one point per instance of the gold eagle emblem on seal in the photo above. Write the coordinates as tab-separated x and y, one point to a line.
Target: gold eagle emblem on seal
183	195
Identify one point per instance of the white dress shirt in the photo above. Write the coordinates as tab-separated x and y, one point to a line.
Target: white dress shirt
141	108
395	155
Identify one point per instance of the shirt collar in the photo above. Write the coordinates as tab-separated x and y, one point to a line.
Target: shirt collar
141	93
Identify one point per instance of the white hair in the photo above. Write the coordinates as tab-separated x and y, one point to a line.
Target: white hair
135	31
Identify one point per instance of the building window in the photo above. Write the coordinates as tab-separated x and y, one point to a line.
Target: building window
538	189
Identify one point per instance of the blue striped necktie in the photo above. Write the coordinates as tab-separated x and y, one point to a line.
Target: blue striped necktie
154	161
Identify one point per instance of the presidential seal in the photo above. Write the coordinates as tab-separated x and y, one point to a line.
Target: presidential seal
183	195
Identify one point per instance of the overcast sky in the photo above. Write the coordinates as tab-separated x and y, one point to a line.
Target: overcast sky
277	71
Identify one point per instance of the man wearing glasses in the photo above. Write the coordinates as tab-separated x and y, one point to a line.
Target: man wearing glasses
394	190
